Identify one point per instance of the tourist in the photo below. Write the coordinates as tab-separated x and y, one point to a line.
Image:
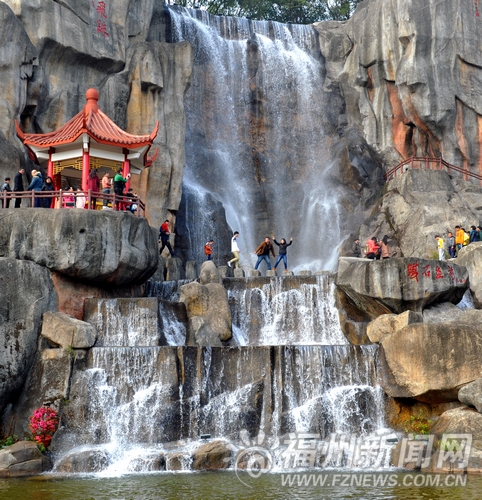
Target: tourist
7	189
459	237
48	187
440	246
208	249
372	249
479	229
235	250
474	235
18	185
36	185
80	199
93	184
356	248
466	237
263	251
282	252
164	235
69	198
119	185
384	251
106	185
451	244
130	198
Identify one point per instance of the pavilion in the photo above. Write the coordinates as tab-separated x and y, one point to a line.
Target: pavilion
90	140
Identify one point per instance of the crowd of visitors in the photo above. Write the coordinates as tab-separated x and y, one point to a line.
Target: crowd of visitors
72	197
453	244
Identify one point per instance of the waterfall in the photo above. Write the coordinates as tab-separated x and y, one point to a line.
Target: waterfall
255	135
286	311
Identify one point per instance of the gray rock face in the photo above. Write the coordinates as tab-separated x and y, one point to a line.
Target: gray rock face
471	257
67	332
100	246
398	285
26	293
471	394
418	205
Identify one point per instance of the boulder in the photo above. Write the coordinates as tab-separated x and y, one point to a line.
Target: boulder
398	285
97	246
26	294
67	332
214	455
226	271
85	461
471	257
430	362
471	394
191	270
462	427
218	315
239	272
209	273
175	271
196	298
386	324
20	460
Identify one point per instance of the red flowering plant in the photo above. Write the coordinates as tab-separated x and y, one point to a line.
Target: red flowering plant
43	424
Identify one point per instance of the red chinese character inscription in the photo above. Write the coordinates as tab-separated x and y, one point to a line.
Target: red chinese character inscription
438	273
426	271
412	271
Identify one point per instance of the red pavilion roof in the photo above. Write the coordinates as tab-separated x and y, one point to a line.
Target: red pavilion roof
92	121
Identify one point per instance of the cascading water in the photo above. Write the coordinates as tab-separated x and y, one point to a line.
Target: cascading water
288	311
255	135
137	407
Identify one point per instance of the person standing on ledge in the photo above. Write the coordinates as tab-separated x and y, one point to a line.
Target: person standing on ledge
164	234
384	251
6	187
283	246
451	245
357	248
263	253
208	249
235	250
440	246
18	185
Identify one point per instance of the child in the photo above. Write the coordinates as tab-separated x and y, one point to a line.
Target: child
440	246
208	249
282	252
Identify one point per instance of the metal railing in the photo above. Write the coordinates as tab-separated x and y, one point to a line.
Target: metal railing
429	164
72	199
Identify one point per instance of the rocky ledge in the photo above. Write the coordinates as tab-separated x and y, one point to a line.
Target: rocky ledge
115	248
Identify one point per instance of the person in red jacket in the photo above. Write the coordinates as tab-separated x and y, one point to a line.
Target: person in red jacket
372	248
93	183
208	249
164	237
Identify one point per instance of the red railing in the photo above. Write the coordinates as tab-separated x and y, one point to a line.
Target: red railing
73	199
429	164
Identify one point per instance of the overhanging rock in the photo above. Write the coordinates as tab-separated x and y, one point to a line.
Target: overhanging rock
109	247
398	285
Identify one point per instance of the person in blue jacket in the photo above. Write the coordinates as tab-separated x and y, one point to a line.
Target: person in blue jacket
36	185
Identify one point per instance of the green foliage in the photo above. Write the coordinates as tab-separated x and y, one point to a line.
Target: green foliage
284	11
418	424
8	441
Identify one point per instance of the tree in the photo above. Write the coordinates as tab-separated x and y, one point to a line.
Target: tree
284	11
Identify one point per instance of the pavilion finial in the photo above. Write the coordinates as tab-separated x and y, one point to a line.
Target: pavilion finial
92	96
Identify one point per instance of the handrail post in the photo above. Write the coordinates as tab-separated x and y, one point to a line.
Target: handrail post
411	162
89	199
33	198
61	204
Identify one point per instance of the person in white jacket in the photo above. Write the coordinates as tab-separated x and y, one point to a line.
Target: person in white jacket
235	249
